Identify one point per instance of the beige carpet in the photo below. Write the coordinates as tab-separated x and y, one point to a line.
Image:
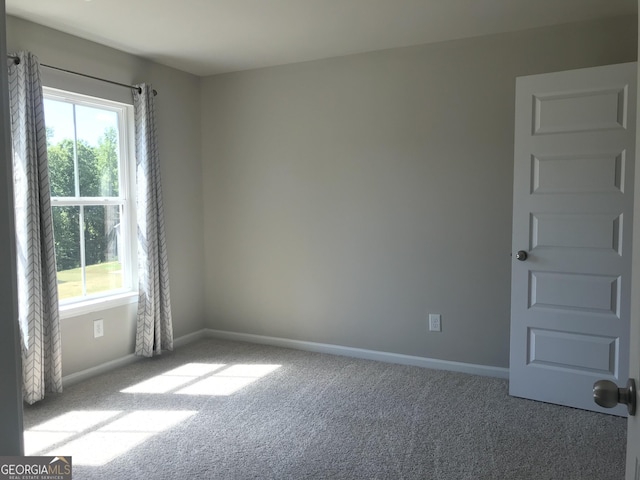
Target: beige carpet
228	410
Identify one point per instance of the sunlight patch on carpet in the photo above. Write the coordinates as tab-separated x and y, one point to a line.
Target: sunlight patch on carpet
101	436
229	380
63	427
174	379
203	379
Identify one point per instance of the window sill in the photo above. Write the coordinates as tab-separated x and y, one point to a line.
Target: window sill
97	304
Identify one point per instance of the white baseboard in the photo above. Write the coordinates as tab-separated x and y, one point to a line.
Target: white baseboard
73	378
484	370
190	338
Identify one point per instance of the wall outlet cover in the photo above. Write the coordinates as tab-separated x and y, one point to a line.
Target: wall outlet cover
98	328
435	324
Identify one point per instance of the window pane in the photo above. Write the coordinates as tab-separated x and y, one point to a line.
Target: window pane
83	143
97	131
102	248
59	119
66	227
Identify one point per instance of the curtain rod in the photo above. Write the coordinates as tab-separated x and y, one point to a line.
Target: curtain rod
17	62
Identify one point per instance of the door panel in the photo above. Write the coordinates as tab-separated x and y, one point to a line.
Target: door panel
574	291
580	110
590	230
578	174
573	351
572	213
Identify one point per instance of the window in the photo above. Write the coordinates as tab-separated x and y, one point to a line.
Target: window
91	195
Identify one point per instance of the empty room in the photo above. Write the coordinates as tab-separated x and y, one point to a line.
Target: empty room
351	239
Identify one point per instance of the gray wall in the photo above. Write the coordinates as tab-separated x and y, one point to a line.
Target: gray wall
178	124
10	373
347	198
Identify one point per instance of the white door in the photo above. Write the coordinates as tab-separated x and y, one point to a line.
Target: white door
633	424
572	218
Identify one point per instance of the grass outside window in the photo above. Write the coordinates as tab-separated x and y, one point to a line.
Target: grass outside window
99	278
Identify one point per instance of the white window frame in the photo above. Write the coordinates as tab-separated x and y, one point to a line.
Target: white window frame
127	189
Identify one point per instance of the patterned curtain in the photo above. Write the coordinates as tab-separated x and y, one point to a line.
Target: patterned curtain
154	327
36	264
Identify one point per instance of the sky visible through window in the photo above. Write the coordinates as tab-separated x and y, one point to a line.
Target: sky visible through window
91	123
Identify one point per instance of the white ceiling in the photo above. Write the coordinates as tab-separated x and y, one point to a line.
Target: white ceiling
207	37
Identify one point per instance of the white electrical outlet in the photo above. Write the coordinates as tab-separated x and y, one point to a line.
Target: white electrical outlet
435	322
98	328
